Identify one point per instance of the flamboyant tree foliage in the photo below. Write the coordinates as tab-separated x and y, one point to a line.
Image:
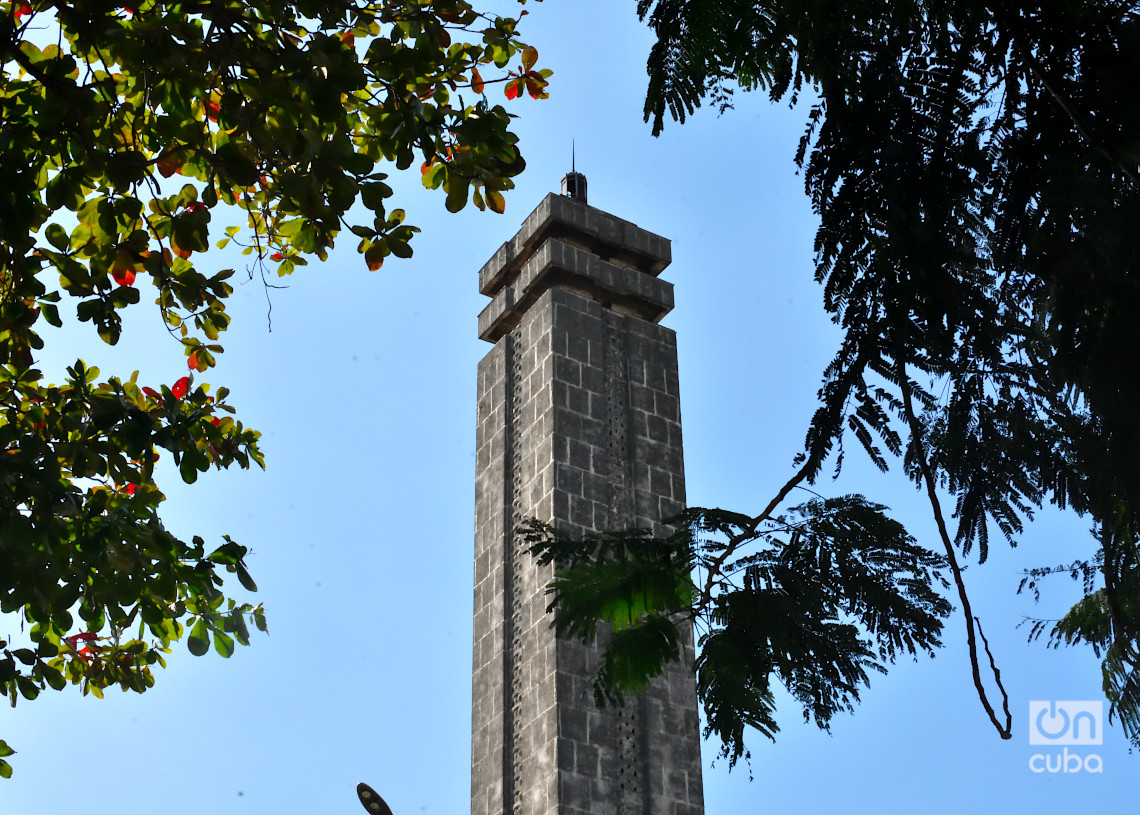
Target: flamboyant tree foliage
830	590
974	167
124	126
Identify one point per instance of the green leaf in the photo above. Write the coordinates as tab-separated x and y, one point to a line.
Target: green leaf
187	470
199	640
236	625
244	578
28	689
373	193
223	644
51	314
634	656
229	553
5	750
457	189
435	176
399	248
54	678
57	236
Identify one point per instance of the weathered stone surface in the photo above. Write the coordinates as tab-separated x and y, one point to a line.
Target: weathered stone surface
556	263
578	425
608	237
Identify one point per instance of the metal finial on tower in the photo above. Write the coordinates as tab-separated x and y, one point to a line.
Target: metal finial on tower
574	183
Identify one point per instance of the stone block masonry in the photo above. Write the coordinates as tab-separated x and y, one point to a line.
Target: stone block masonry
579	426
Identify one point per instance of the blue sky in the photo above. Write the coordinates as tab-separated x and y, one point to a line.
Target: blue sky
362	525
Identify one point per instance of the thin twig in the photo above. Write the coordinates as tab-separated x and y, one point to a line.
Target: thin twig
748	532
997	677
936	506
811	464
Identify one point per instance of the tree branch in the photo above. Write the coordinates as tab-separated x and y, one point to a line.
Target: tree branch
748	533
924	467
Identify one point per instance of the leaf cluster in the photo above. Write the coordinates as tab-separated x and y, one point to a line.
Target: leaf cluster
974	168
816	600
1103	618
126	129
82	547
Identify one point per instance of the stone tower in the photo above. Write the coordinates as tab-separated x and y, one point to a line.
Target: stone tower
579	426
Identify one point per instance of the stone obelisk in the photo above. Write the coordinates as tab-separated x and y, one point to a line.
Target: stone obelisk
579	426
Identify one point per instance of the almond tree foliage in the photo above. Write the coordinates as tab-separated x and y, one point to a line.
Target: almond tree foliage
974	168
124	125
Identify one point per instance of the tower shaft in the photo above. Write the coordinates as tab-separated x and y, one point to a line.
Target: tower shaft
578	426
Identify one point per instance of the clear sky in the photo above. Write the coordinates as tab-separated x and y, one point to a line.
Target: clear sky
362	525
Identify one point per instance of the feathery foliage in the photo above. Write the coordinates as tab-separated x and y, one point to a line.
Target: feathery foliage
824	594
974	168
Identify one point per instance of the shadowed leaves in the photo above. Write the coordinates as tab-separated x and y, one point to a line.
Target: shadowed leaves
818	598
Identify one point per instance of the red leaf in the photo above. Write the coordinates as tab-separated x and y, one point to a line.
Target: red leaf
476	81
197	205
131	489
179	387
75	638
124	277
513	88
23	10
212	110
171	162
277	256
151	392
123	269
215	421
374	256
192	361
